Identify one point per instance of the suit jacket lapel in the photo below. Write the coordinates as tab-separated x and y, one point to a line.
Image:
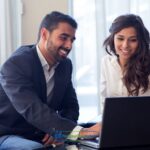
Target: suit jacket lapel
39	78
58	87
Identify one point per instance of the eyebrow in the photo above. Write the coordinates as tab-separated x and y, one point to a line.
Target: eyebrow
134	36
67	35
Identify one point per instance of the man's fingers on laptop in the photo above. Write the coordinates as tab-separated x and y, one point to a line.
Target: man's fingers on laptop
96	128
88	133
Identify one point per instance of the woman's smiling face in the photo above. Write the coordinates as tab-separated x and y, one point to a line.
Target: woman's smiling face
126	43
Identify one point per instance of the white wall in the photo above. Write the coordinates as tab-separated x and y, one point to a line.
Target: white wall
33	12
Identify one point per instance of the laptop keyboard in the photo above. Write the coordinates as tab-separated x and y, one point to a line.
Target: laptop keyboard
95	140
90	137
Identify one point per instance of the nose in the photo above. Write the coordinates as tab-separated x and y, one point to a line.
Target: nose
68	44
125	44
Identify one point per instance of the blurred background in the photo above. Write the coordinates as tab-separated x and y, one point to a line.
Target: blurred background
19	23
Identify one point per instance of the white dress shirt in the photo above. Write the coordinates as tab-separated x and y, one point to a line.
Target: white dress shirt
48	72
111	79
49	76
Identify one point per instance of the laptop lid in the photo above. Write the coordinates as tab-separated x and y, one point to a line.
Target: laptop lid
125	123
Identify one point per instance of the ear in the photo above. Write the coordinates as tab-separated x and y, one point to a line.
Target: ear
44	34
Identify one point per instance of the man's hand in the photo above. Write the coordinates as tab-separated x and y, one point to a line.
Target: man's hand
91	131
49	140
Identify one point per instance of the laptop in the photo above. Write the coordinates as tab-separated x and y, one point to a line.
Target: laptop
125	123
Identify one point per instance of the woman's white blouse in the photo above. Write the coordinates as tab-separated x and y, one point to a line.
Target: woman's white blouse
111	79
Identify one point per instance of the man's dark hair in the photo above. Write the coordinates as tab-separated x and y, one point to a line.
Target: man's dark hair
51	21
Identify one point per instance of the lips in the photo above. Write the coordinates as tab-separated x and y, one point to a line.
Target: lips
126	52
63	53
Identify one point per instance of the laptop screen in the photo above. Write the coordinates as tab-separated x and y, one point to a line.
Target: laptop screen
126	122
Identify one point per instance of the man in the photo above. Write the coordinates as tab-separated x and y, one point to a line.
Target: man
37	96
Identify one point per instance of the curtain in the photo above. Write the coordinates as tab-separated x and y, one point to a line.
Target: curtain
10	27
5	30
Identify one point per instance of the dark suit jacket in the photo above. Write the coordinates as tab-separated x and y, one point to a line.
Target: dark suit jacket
23	102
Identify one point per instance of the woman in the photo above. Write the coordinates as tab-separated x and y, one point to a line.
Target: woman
125	70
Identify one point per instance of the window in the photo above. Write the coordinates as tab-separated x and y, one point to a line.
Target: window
84	58
94	18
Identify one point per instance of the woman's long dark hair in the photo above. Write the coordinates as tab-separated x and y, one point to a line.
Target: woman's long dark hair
137	69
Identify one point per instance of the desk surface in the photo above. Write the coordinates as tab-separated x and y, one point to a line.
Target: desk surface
81	147
129	148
